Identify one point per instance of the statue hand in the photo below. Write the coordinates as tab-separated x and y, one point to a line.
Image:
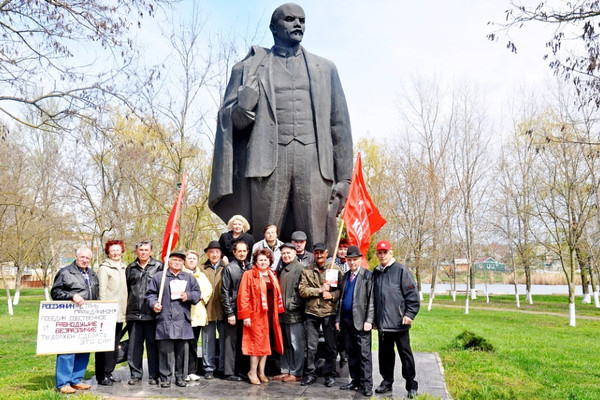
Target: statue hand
339	191
248	96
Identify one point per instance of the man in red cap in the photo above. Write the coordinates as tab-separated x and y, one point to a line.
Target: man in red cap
396	306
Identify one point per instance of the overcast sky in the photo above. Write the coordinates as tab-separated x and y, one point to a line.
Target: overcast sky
379	45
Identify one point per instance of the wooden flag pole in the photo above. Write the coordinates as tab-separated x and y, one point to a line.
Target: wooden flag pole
337	243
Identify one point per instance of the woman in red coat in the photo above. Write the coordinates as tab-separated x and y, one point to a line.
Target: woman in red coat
259	304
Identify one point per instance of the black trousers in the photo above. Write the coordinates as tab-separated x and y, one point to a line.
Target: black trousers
193	351
387	358
107	360
234	362
312	342
140	332
171	351
358	348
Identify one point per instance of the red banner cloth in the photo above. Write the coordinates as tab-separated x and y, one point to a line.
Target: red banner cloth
361	217
172	223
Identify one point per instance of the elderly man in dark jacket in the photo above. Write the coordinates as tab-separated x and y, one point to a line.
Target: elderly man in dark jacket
78	283
355	320
141	320
292	320
396	306
319	287
235	363
174	327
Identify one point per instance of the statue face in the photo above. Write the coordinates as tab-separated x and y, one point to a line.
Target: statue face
288	29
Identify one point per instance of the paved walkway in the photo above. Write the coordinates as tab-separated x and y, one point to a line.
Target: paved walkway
430	376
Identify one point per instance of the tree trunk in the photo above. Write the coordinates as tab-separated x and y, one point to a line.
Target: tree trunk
593	281
453	288
8	299
472	282
434	273
467	291
18	285
528	284
572	321
515	283
585	281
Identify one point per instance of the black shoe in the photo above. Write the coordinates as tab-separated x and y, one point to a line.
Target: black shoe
181	383
412	394
383	388
329	381
350	386
134	381
105	382
114	379
234	378
165	384
367	392
152	381
309	380
209	375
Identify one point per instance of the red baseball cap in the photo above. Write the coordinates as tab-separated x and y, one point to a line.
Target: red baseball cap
384	245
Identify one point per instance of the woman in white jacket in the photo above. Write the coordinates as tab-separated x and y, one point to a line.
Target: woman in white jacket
198	310
113	287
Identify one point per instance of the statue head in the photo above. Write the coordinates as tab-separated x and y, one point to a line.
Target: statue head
287	25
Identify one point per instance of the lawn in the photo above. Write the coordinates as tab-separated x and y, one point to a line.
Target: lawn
536	356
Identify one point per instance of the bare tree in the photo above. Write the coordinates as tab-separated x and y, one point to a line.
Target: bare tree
427	131
46	67
563	200
573	47
470	140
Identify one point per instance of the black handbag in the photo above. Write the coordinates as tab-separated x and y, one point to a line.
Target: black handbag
123	347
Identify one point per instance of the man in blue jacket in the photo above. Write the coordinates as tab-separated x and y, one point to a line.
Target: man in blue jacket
355	320
173	327
396	306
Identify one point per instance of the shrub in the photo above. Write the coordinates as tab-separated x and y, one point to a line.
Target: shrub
468	340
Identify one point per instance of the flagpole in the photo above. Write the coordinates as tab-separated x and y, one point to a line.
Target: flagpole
175	212
337	242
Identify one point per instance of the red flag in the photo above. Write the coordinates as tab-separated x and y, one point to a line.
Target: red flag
361	217
172	224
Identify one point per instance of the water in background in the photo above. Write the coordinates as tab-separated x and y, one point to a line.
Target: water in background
497	288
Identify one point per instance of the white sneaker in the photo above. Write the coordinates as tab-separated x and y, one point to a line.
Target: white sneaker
187	378
193	377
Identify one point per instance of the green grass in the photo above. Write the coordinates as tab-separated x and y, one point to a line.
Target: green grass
541	303
536	356
23	375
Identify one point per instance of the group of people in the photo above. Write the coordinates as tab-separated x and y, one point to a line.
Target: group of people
268	305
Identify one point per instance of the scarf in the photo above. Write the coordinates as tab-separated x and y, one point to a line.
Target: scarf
263	290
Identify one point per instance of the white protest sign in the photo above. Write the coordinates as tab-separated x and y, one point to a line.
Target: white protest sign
331	277
64	327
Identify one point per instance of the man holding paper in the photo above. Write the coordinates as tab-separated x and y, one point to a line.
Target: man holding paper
319	286
77	283
173	328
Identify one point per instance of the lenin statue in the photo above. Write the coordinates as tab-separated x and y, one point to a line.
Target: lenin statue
283	146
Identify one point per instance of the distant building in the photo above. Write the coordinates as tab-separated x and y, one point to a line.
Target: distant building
489	264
